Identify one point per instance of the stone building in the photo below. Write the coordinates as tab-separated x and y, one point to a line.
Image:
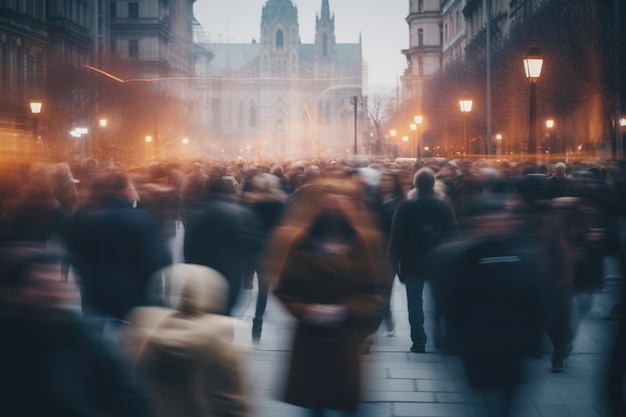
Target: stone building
279	96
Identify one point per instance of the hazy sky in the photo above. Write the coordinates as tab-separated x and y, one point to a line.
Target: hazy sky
384	31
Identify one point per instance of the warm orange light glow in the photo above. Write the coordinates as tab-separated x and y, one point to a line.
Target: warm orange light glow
465	105
549	123
533	62
419	119
35	106
103	122
148	139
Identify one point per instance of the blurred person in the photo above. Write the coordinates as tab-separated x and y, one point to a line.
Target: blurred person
115	248
222	235
489	291
193	188
187	352
35	215
330	264
389	193
265	199
418	226
52	363
64	188
465	187
559	185
546	223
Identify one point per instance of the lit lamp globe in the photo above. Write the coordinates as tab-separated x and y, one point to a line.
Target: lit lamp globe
35	106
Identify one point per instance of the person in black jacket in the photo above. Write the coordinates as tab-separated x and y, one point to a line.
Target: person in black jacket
418	227
115	248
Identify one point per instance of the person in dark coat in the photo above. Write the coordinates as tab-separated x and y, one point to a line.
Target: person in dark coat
330	280
222	235
489	290
418	227
115	248
264	198
52	362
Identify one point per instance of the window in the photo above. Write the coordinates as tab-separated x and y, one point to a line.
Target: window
133	10
420	37
325	45
113	10
440	34
133	49
252	116
279	39
420	6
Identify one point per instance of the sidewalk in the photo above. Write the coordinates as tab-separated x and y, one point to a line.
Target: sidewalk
403	384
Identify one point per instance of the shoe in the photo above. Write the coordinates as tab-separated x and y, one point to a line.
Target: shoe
558	365
418	349
391	333
257	326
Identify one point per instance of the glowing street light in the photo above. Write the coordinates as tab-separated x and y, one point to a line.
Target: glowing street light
418	121
148	139
533	62
466	107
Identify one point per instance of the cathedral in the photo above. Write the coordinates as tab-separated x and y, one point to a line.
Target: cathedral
279	96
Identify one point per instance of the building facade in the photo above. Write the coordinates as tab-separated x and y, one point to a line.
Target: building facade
280	96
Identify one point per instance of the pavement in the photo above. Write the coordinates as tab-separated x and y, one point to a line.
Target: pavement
398	383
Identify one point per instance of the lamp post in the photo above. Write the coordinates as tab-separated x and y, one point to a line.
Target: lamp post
466	107
35	109
354	100
405	139
549	130
393	133
498	143
532	67
418	122
415	150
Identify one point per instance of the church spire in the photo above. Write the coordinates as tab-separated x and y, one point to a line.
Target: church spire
325	10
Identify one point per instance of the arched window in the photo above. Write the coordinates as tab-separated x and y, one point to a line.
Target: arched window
325	45
279	39
252	116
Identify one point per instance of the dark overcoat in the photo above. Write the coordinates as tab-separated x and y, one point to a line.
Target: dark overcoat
324	370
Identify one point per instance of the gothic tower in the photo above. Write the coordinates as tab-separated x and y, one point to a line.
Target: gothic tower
325	55
280	37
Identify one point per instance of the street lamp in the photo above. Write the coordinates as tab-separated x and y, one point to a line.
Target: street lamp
355	101
549	127
392	133
405	139
35	109
466	107
418	122
533	62
498	143
413	127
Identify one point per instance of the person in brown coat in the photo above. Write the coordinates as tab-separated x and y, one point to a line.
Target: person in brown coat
187	353
330	280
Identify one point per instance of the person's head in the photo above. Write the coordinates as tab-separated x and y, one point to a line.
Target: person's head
424	179
559	169
112	185
390	184
264	187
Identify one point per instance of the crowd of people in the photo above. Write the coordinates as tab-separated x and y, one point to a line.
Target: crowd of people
509	250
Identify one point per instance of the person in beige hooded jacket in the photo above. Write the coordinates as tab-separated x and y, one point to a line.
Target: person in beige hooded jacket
187	353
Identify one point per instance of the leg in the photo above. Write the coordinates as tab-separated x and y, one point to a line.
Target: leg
559	329
261	304
414	289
